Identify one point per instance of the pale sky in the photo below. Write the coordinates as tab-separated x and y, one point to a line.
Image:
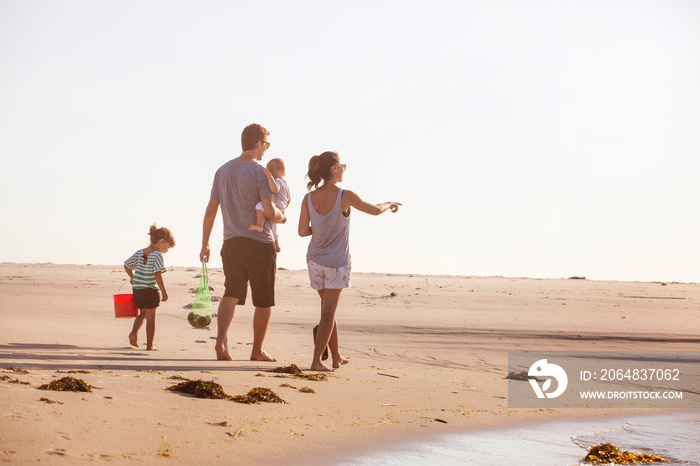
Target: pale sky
524	138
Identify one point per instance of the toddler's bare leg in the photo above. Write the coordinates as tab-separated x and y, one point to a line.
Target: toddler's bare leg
138	323
259	221
150	329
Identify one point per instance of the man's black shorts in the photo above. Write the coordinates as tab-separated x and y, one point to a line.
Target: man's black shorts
146	298
246	260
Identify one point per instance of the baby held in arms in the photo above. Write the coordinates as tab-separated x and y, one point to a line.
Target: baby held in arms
275	173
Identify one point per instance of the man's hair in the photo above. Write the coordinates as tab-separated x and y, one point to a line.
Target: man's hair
251	135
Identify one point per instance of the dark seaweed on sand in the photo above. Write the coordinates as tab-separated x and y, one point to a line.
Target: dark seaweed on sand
294	371
17	369
212	390
302	389
290	369
201	389
258	395
67	384
518	376
46	400
8	379
607	453
521	376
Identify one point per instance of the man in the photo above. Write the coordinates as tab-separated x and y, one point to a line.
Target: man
247	255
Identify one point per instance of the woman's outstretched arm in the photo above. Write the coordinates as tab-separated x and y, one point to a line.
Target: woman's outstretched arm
350	199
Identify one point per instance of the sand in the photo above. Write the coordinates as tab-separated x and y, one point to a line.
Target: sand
428	356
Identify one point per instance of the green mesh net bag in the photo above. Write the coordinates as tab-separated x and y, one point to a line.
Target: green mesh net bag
202	308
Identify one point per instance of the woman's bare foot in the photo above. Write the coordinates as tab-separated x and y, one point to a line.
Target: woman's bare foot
151	348
340	361
222	353
320	367
261	355
133	339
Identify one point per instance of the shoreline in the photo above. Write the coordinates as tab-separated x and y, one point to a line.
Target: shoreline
555	442
387	274
422	348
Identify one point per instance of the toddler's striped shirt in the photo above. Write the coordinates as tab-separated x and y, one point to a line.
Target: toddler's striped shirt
144	273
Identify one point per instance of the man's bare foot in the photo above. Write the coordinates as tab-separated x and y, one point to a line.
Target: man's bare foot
262	355
340	361
255	228
320	367
222	353
151	348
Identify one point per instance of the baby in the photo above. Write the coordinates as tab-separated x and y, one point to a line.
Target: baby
275	172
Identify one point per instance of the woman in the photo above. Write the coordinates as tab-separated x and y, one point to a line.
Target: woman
325	216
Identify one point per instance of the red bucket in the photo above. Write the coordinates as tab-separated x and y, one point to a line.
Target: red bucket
124	306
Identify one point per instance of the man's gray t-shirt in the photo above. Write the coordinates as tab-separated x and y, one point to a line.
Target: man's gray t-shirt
239	186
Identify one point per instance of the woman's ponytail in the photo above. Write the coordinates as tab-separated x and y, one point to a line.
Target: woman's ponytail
320	168
314	174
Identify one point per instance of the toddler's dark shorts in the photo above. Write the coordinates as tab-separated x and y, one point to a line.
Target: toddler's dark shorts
146	298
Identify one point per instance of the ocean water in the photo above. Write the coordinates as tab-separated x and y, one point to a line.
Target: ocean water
672	436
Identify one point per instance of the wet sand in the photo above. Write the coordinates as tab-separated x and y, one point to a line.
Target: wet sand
673	436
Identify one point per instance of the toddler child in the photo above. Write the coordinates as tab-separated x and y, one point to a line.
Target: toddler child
145	268
275	173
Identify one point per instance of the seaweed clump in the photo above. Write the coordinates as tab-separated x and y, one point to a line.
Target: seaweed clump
46	400
201	389
292	369
518	376
606	453
302	389
257	395
8	379
17	369
522	375
67	384
212	390
295	372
